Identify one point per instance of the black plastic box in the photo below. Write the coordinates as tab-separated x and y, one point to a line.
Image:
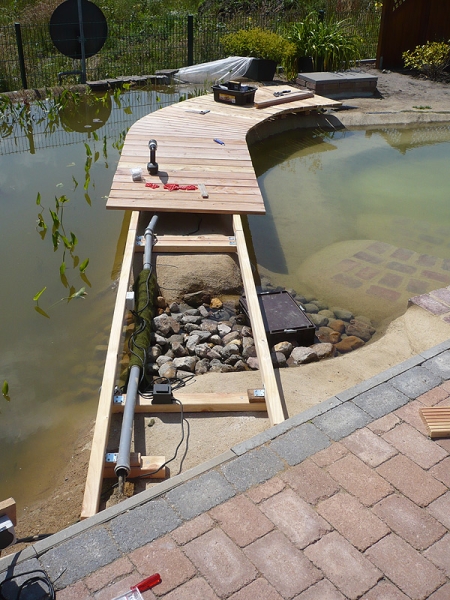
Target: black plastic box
246	95
284	320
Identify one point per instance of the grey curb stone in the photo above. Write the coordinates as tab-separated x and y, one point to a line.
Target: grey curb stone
285	426
252	468
12	560
416	381
383	377
440	365
431	352
342	420
381	400
299	443
143	524
80	556
199	495
10	589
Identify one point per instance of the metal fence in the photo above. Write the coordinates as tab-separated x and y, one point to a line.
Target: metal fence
28	58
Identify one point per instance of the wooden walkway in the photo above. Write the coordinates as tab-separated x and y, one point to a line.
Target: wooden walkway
188	155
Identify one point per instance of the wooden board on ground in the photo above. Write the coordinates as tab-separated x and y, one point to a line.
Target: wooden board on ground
266	97
209	402
437	420
150	466
8	508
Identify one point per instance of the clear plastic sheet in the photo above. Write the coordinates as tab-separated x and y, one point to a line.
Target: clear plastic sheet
217	71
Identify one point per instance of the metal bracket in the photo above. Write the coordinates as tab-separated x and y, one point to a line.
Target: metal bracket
120	400
140	240
111	457
232	240
259	393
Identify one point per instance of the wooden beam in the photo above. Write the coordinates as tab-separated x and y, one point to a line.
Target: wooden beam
210	402
192	243
437	420
272	394
151	466
8	508
92	491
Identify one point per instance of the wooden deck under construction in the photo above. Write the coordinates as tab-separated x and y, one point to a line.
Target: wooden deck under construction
188	155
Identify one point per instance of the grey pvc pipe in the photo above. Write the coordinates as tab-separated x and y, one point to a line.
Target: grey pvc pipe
149	242
123	466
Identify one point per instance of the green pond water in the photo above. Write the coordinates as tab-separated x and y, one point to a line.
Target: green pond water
319	190
328	194
52	357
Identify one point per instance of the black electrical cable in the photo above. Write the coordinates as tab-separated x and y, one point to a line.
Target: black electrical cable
44	578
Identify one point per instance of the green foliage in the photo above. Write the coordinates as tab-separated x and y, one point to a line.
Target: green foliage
431	59
329	43
260	43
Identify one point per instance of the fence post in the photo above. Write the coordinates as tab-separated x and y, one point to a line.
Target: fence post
190	40
23	73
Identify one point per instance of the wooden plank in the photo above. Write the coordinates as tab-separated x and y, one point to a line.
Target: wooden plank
192	243
8	508
210	402
91	499
437	420
151	466
272	394
291	97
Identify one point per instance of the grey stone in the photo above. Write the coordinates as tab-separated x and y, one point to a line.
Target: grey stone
229	349
253	362
381	400
179	350
284	347
192	341
9	590
252	468
142	525
341	313
202	366
302	355
202	350
210	326
323	350
199	495
311	308
231	337
196	320
79	556
278	359
416	381
318	320
342	420
299	443
167	370
440	365
185	363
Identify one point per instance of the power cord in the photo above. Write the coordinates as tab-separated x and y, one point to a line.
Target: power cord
44	578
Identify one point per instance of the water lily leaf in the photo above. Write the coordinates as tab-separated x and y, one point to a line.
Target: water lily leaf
39	294
84	265
88	149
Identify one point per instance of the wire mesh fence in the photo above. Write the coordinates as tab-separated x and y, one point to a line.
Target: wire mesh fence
29	59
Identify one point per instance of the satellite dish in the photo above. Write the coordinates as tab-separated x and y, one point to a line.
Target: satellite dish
75	21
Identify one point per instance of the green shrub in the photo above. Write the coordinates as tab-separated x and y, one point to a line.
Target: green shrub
261	43
329	43
431	59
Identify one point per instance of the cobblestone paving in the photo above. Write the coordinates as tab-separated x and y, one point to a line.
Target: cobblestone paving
349	500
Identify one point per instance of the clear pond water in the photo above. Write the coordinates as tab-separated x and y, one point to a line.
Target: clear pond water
336	198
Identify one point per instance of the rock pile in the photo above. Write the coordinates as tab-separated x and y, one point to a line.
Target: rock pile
204	334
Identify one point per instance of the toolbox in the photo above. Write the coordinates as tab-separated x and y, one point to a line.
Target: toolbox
284	320
230	95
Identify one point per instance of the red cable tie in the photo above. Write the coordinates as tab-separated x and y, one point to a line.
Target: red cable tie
152	185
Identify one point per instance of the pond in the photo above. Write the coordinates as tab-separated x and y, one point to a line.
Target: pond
52	349
357	219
